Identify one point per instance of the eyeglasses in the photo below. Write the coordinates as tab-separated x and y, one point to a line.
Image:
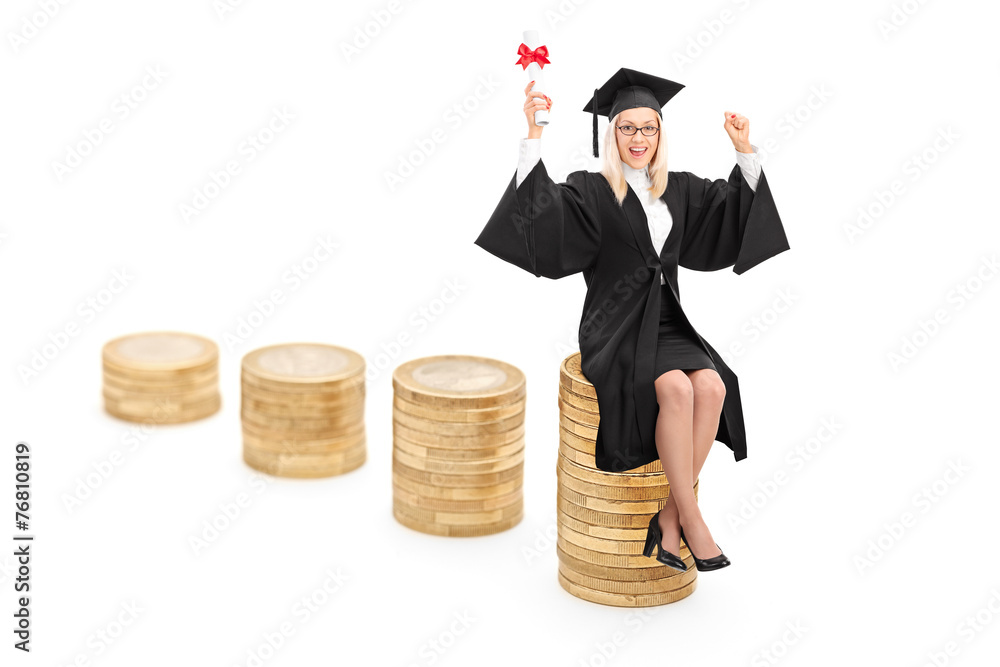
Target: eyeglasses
629	130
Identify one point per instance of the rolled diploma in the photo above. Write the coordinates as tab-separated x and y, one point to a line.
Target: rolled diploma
532	41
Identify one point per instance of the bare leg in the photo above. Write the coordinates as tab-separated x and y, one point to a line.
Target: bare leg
675	395
708	396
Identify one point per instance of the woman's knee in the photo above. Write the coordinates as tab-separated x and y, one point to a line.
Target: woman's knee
674	389
708	386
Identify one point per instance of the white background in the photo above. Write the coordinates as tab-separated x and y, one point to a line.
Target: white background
842	108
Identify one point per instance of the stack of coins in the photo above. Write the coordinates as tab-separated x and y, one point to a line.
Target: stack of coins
603	516
161	377
302	409
458	445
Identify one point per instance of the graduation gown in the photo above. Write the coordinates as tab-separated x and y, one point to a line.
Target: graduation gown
558	229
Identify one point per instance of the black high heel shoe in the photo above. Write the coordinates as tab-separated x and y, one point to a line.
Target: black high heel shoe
713	563
654	538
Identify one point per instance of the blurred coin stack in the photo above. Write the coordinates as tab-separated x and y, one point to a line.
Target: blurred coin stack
302	409
603	516
161	377
458	445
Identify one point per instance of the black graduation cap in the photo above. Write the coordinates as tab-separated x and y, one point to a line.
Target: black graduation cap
629	89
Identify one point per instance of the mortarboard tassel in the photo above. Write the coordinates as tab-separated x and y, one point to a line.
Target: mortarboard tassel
595	122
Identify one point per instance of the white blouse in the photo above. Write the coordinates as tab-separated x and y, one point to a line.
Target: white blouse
657	214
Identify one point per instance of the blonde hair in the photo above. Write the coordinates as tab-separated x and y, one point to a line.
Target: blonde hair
612	163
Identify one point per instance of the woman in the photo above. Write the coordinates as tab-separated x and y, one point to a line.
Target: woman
662	390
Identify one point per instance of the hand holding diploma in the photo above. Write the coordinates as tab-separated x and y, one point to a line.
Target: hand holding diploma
532	57
533	103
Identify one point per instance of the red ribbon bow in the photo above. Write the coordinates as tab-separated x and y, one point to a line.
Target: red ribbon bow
528	56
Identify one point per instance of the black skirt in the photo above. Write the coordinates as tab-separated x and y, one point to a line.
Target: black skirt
677	345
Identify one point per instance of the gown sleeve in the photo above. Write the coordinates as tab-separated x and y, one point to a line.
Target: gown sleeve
728	224
548	229
529	154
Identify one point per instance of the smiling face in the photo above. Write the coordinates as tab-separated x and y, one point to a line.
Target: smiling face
636	151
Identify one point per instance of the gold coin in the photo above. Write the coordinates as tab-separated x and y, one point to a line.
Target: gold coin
604	519
166	413
457	518
577	442
304	446
578	402
605	559
157	378
293	391
459	467
296	400
599	544
605	537
606	492
576	448
582	430
462	415
452	493
572	447
615	600
347	393
181	398
286	466
456	381
457	531
602	532
340	392
571	376
576	456
147	405
515	434
312	458
588	460
612	479
653	572
163	352
145	383
454	429
318	366
418	501
340	439
461	480
279	469
627	594
303	424
652	485
471	454
579	416
300	411
303	463
648	587
610	505
298	435
160	377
